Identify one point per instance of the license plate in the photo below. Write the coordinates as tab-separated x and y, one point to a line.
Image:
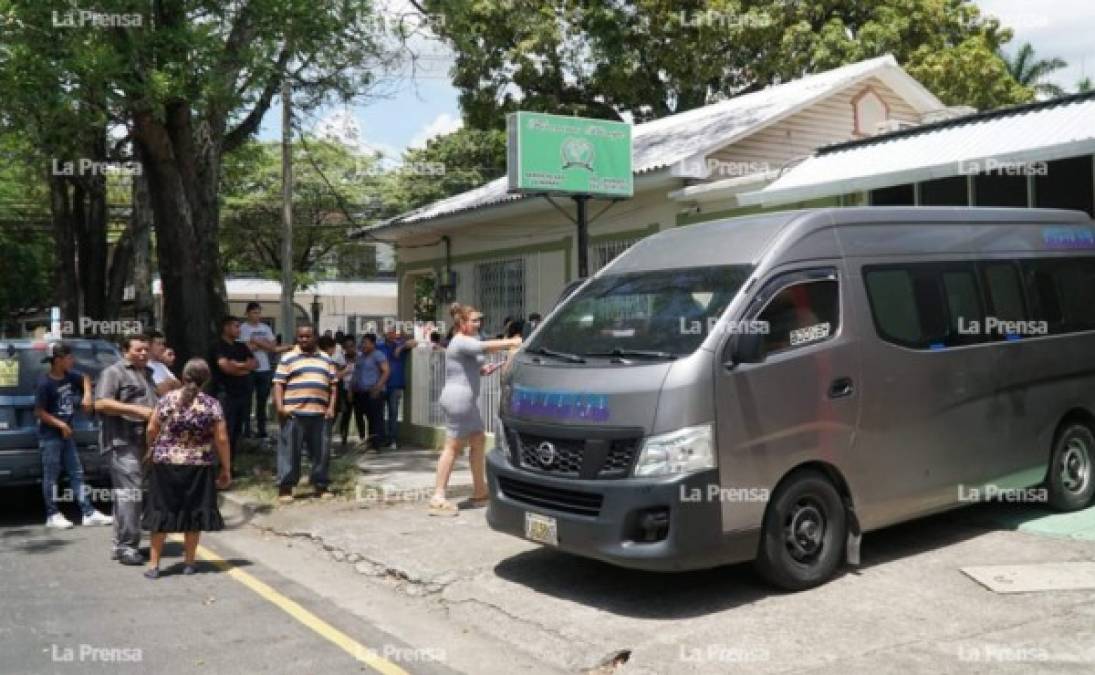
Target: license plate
542	529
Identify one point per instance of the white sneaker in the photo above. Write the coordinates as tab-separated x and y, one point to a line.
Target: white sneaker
393	446
97	518
58	522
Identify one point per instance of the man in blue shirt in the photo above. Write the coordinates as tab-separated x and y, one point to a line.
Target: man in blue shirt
56	396
397	349
370	379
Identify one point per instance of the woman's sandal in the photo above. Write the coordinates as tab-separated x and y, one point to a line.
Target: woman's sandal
443	507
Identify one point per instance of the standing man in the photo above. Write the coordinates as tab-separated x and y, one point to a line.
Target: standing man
232	363
345	387
259	338
162	376
55	400
305	395
124	399
370	379
397	349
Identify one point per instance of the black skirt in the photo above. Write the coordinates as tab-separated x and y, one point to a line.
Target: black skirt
181	498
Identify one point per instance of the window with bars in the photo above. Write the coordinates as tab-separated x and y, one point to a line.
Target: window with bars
500	292
606	251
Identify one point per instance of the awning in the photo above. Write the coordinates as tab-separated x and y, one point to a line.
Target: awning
998	140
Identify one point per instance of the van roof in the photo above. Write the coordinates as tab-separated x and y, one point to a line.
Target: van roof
744	240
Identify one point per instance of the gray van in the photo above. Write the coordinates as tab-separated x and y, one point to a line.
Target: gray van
20	368
769	387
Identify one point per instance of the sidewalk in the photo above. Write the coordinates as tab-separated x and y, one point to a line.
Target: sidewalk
408	474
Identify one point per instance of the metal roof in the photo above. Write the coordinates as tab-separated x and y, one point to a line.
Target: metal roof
976	143
670	140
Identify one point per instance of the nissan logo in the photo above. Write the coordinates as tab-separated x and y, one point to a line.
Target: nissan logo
546	453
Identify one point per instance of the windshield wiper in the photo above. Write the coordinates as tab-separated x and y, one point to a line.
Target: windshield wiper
573	358
645	353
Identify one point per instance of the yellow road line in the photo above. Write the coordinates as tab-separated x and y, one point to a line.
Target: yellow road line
352	647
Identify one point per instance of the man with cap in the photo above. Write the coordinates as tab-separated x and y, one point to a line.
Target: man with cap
56	396
124	398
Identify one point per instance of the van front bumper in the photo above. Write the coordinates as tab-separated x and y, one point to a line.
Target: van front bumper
614	533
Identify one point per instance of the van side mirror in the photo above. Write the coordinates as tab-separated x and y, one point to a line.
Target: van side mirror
747	348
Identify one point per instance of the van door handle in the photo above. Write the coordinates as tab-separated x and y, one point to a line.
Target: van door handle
841	387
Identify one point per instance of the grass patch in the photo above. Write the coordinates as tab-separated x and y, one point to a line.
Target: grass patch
257	465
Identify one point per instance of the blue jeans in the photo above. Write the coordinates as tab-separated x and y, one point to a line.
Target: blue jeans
393	397
58	452
298	432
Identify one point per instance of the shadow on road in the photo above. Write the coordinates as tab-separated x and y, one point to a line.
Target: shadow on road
683	595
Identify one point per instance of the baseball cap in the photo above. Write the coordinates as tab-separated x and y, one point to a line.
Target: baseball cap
56	351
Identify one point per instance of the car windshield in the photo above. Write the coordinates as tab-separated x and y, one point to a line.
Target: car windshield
662	313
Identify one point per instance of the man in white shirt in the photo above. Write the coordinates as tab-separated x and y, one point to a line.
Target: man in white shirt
260	338
162	376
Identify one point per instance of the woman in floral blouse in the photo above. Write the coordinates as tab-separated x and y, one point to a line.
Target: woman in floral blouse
188	425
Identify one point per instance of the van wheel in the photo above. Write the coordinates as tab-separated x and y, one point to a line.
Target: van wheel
1070	468
805	527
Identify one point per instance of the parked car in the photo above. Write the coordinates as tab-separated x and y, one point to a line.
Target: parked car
20	367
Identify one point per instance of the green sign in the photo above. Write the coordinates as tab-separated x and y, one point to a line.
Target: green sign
568	155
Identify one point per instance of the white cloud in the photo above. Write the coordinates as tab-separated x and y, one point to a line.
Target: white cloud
441	125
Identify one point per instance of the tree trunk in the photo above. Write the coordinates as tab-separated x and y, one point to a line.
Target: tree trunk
66	283
182	179
92	246
121	261
141	225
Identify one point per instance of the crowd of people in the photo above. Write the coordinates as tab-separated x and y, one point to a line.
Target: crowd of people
173	436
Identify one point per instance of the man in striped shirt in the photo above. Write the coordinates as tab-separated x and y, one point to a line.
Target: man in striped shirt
306	396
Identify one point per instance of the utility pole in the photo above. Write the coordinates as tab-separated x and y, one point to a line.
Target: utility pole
288	324
582	222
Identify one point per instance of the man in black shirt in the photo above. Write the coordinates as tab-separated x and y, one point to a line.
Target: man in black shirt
232	363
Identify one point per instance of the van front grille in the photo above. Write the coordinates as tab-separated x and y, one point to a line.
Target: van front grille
549	497
574	457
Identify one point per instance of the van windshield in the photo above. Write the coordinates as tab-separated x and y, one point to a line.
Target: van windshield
664	311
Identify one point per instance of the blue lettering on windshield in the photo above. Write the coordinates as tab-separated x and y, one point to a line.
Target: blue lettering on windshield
1068	237
559	404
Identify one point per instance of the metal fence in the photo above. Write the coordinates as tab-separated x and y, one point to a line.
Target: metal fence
427	380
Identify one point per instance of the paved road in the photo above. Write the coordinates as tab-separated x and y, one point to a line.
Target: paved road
67	608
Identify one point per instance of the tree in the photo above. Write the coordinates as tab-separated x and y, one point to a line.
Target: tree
192	80
1031	72
651	58
1084	85
55	99
25	244
251	199
448	165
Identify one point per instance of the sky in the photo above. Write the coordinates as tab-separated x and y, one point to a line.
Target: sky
416	108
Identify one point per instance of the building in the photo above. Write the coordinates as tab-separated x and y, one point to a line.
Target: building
511	255
1036	155
349	306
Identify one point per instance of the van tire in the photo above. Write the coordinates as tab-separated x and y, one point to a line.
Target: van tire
1071	476
805	502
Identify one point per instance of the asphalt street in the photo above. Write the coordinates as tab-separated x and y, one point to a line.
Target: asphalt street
68	608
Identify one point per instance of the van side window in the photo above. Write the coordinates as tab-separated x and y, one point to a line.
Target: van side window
1004	291
925	306
801	314
1060	292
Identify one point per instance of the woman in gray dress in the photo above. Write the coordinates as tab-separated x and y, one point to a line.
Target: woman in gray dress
464	365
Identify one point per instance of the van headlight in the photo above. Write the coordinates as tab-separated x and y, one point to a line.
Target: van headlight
681	451
501	441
